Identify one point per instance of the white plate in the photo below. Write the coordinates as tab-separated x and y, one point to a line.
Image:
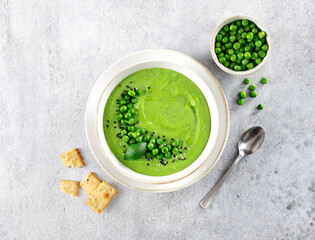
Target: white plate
163	59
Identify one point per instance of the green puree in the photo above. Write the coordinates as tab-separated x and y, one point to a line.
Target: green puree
170	105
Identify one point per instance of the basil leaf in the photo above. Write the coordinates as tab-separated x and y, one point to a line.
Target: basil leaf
136	151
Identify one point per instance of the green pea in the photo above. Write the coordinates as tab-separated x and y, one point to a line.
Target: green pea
242	50
240	102
257	49
131	129
119	116
127	97
226	64
164	150
258	60
261	54
246	81
175	151
152	140
252	25
247	48
238	23
225	40
139	139
138	92
236	45
264	80
237	68
222	48
123	133
254	55
155	151
263	40
161	146
232	38
255	30
175	143
160	156
258	43
240	55
226	28
242	41
250	36
124	126
141	131
132	141
123	121
247	28
247	55
252	87
159	141
146	138
238	61
232	32
245	62
219	37
129	105
150	146
135	134
217	50
261	34
131	93
128	115
169	147
252	44
168	155
125	138
228	45
123	109
250	65
260	107
132	111
122	101
134	100
217	44
233	27
131	121
227	57
265	48
244	22
231	51
244	35
222	32
253	94
255	38
242	94
240	31
220	55
222	59
232	64
130	134
149	155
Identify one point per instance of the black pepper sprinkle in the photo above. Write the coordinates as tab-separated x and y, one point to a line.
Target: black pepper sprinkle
173	160
114	121
119	85
107	126
130	82
107	120
87	180
172	139
148	164
115	127
117	110
164	139
124	146
148	87
158	137
185	148
163	136
124	152
127	86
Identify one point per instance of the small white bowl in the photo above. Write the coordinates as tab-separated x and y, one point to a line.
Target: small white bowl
228	21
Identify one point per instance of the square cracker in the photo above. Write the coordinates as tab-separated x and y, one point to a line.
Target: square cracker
90	183
72	159
101	197
70	187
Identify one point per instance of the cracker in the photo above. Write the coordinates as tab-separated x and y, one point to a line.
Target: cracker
101	197
72	159
70	187
90	183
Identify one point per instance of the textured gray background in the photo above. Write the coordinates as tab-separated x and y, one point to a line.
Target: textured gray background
52	52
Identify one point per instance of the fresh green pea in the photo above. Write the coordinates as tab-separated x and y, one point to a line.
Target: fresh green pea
231	51
219	37
242	41
250	36
263	40
138	92
226	28
244	22
127	97
125	138
222	59
247	48
220	55
257	49
159	141
131	93
164	150
258	60
132	141
244	35
131	121
232	32
227	56
240	31
123	109
264	80
238	37
250	65
122	102
240	55
123	133
255	38
130	134
132	111
232	38
236	45
128	115
168	155
175	143
160	156
240	101
264	48
261	34
252	44
238	23
245	62
134	100
169	147
131	129
222	32
175	151
129	105
252	25
243	67
262	54
252	87
161	146
225	40
253	94
242	94
247	55
119	116
255	30
139	139
233	58
260	107
228	45
123	121
233	27
254	55
237	68
226	64
217	44
242	50
146	138
246	81
238	61
258	43
124	126
135	135
152	140
217	50
247	28
232	64
141	131
149	155
150	146
155	151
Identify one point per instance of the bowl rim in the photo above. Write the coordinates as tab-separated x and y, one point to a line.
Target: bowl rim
227	21
224	115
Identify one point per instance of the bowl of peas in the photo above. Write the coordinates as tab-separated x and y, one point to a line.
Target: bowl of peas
240	45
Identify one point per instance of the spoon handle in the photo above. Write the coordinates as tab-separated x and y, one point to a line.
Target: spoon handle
206	201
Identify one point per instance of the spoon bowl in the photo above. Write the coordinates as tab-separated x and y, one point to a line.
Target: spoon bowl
251	140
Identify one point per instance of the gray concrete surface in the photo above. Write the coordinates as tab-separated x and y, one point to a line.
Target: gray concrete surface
52	52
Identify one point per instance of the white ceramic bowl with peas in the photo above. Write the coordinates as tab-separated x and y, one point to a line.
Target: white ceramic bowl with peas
240	45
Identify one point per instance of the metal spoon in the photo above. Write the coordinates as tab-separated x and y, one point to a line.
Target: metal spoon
249	143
